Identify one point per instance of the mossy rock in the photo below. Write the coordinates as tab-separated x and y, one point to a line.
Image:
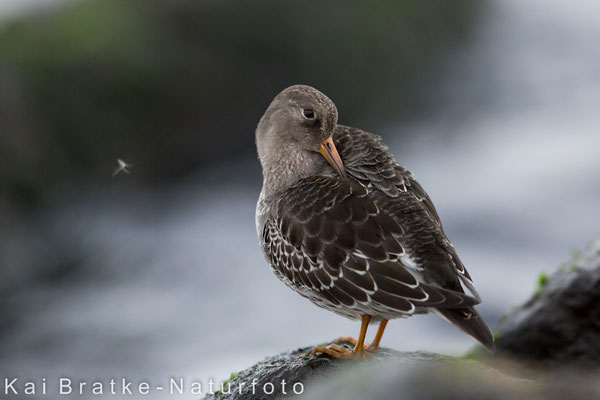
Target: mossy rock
559	325
302	369
171	86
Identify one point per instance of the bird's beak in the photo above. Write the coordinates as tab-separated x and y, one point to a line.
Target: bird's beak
330	153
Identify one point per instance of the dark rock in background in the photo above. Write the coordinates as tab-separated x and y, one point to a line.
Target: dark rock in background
172	86
560	324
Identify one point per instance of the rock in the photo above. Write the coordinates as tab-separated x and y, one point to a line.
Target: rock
560	324
300	370
289	367
414	375
449	379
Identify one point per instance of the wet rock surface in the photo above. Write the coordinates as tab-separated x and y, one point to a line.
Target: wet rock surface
300	370
447	380
408	375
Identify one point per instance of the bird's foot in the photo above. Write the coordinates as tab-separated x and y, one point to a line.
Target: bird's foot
371	348
341	352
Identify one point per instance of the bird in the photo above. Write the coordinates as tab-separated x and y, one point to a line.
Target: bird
123	166
344	225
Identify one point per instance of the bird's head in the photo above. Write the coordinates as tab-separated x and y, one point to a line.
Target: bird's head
296	131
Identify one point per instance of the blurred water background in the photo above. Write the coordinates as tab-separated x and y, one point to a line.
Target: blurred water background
493	105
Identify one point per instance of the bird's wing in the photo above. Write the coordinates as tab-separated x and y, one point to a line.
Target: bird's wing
367	160
330	236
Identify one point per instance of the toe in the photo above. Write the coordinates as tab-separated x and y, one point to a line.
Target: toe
338	348
333	350
346	339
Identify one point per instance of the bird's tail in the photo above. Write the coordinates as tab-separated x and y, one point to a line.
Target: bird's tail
470	322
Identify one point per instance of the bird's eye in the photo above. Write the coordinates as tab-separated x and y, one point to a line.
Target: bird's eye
308	113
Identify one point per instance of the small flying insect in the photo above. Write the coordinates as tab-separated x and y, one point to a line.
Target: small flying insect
123	166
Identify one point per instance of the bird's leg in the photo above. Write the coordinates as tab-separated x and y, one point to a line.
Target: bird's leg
374	346
359	347
337	351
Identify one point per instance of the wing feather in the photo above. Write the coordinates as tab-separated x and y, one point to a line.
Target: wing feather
331	237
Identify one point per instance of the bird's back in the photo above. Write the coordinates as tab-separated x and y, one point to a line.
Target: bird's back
430	254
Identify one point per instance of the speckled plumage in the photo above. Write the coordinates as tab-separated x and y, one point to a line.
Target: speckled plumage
368	243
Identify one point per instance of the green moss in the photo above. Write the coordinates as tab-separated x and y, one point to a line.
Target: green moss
470	355
102	78
218	393
233	375
542	279
541	282
92	28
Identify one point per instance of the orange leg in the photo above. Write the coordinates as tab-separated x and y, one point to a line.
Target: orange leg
374	344
337	351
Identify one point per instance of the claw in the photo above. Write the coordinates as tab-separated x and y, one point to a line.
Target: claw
340	352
